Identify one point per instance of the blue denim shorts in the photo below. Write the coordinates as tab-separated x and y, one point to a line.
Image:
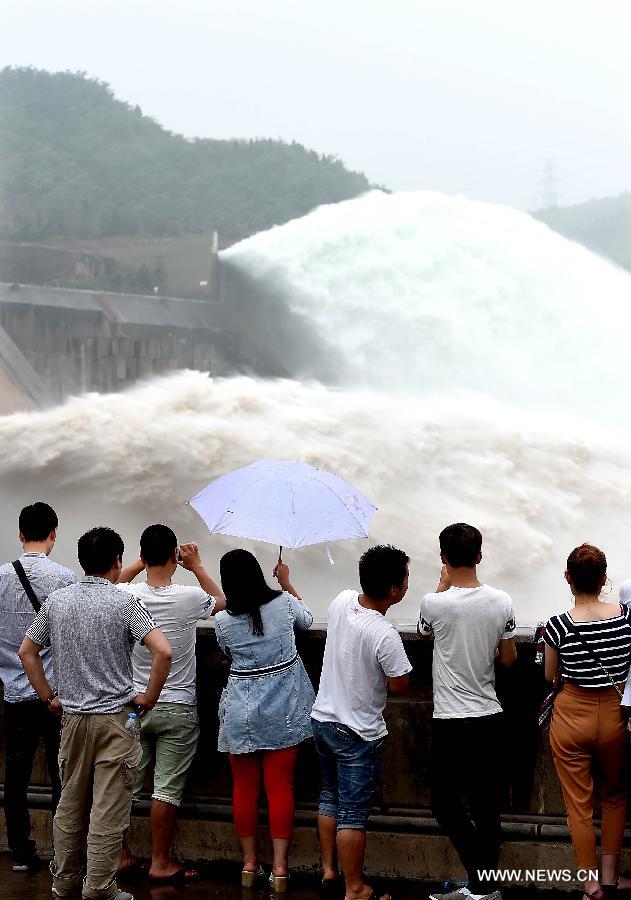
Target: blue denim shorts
350	771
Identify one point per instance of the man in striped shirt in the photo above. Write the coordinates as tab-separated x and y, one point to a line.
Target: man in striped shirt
26	718
91	627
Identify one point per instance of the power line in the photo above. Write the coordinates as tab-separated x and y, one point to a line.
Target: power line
549	182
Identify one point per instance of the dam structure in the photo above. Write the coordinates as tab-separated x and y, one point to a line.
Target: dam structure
56	342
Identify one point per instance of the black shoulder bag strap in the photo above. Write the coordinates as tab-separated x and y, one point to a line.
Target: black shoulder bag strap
26	584
592	652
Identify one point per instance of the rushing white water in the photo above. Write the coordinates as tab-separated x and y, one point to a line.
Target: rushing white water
480	362
422	292
132	459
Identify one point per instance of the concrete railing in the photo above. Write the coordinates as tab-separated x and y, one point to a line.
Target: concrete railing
404	839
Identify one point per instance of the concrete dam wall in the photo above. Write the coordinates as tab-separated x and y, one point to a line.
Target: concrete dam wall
55	342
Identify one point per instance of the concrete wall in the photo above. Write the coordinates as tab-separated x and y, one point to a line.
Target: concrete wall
45	264
404	840
78	341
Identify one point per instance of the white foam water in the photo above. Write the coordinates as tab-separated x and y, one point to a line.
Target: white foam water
535	490
420	292
481	369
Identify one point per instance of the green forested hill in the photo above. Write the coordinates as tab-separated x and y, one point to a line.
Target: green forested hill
76	162
603	225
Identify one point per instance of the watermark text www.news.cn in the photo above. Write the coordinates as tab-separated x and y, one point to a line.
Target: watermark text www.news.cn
519	876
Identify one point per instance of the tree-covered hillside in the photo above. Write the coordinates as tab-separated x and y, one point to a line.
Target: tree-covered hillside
602	225
77	162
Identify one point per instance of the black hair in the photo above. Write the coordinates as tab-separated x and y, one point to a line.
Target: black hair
381	568
98	550
37	521
587	568
461	545
157	543
244	586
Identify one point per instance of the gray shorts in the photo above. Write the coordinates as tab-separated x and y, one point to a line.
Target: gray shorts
170	733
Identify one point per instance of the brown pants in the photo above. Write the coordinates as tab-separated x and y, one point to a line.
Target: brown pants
588	732
98	762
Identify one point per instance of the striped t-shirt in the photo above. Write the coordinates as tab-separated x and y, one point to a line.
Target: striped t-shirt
609	638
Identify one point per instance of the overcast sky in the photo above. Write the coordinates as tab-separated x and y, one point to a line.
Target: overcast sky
463	96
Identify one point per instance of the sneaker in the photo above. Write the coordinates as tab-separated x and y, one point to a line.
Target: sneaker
32	864
464	892
458	894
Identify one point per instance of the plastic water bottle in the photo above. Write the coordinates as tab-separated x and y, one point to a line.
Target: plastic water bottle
132	725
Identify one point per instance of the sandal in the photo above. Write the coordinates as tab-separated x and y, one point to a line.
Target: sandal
278	883
614	890
180	877
330	887
248	878
376	896
134	872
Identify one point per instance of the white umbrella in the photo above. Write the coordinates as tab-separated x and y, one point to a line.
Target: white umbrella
287	503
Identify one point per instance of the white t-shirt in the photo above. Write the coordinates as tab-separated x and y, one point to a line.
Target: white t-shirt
176	610
467	625
363	649
625	593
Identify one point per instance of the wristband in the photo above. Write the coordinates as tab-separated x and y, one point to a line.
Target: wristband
51	698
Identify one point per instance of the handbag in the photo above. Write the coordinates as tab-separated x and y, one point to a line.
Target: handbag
545	713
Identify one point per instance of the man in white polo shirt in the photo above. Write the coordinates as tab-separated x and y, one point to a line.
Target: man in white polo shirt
363	657
170	731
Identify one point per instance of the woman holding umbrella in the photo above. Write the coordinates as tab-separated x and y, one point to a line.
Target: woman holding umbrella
264	712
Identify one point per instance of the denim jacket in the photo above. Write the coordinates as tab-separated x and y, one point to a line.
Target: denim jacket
268	709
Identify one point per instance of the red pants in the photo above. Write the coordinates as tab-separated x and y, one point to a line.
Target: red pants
278	777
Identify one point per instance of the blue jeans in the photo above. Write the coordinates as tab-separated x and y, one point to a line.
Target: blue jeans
350	771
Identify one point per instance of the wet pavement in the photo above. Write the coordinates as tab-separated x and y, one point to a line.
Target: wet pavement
222	883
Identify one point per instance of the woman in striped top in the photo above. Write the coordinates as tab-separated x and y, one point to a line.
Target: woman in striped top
591	646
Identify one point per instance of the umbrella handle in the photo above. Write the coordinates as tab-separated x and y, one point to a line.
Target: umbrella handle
280	554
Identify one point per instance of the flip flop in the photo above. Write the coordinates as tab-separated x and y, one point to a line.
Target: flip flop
181	876
137	871
376	896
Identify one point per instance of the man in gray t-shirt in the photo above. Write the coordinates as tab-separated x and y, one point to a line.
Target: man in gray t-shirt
91	628
472	624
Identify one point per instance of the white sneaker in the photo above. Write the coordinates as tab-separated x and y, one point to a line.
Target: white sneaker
451	895
465	892
494	895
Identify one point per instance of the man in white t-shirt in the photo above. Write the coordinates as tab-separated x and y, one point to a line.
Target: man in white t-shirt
363	657
625	593
472	625
170	731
